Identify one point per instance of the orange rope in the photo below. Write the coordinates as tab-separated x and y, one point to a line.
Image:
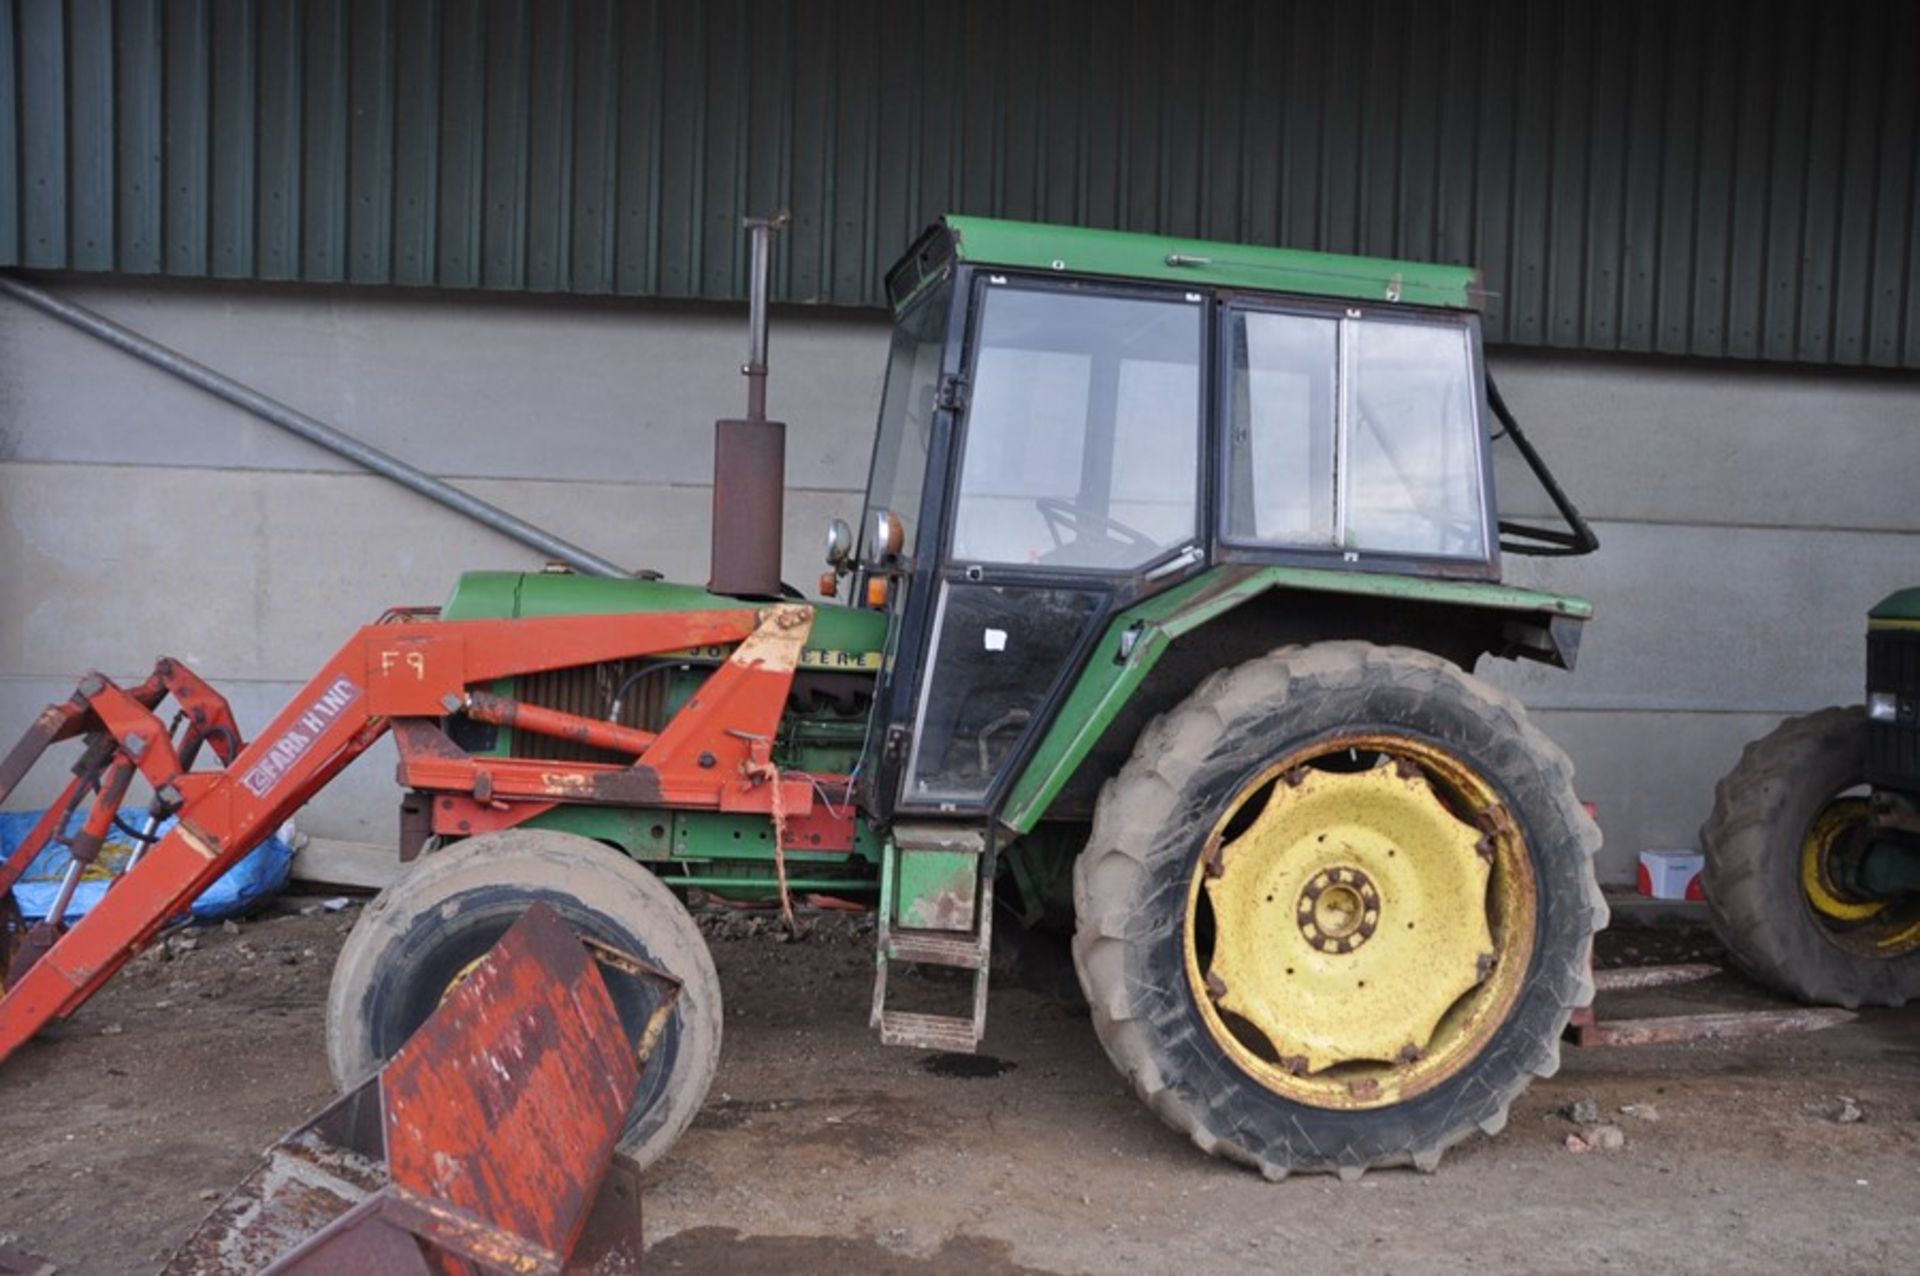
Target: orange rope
768	772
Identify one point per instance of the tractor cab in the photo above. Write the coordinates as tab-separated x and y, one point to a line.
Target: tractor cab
1075	421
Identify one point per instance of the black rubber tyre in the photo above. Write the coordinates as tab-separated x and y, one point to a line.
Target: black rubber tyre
1131	888
452	906
1762	811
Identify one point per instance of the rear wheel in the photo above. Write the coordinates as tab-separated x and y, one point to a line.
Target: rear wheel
426	931
1785	830
1337	909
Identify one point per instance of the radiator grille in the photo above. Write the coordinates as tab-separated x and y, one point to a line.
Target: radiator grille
1893	748
589	691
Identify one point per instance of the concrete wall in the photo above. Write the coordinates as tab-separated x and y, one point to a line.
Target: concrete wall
1749	516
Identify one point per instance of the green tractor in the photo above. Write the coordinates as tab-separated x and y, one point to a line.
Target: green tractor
1175	563
1812	871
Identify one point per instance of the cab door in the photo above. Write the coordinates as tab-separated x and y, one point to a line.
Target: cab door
1074	481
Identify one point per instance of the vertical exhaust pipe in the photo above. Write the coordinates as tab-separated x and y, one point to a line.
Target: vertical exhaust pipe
750	454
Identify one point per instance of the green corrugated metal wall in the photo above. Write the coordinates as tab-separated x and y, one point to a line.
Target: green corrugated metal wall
1724	179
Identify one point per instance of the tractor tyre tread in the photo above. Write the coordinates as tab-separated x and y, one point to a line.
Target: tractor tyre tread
1752	840
493	876
1135	851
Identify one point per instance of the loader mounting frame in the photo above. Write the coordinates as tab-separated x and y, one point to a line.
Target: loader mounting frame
404	673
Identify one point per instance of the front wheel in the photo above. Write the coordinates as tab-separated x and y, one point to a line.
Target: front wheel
1337	909
425	932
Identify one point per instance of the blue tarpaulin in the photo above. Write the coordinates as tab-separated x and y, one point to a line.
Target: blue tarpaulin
262	873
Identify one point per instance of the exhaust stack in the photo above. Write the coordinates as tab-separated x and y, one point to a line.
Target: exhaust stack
750	454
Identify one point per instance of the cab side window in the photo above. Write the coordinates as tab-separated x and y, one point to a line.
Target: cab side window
1357	434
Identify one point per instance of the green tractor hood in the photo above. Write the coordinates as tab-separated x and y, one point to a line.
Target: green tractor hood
843	638
1897	610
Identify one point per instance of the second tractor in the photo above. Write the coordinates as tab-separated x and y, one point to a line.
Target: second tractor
1813	848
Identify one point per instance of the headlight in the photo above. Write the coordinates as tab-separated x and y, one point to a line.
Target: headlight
887	535
839	542
1883	706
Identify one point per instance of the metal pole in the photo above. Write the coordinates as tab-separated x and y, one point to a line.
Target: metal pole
309	428
759	267
750	453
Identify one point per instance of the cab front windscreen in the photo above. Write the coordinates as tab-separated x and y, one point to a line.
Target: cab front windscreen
1082	440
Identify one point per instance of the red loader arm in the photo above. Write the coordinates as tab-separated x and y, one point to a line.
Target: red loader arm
405	672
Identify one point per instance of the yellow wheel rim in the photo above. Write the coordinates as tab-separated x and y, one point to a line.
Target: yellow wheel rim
461	975
1830	830
1359	939
1864	927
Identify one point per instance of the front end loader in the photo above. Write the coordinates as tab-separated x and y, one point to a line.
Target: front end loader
484	1145
1175	562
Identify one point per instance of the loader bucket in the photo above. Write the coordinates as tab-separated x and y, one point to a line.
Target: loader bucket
484	1144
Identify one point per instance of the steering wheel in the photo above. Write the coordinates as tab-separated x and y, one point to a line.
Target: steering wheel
1062	516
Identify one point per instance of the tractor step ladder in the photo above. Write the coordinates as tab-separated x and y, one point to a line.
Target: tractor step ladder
936	909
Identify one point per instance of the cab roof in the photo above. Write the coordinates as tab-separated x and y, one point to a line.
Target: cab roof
1116	254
